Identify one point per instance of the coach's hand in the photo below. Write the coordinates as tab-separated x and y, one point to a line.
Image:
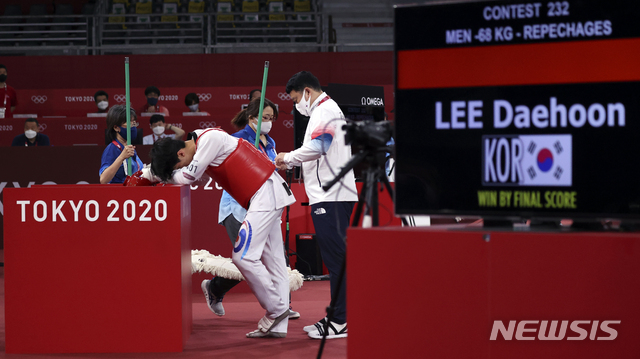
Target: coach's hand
280	160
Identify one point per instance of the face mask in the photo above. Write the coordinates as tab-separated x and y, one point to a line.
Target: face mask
30	134
3	78
193	107
158	130
304	105
265	128
123	132
103	105
152	101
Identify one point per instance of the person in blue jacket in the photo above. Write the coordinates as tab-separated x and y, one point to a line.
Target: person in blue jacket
113	164
31	135
231	213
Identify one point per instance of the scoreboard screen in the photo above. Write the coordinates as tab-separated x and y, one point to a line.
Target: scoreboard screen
518	109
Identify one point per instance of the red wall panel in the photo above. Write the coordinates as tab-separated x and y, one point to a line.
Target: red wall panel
219	70
451	285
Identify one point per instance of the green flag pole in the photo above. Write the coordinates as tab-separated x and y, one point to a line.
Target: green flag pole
126	81
264	89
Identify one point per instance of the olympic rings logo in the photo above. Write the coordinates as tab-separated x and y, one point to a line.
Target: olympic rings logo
204	96
284	96
207	124
287	123
42	127
39	99
120	98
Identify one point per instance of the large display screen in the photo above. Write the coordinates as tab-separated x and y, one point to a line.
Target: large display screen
518	109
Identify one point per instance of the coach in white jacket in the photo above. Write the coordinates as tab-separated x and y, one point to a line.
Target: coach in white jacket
321	156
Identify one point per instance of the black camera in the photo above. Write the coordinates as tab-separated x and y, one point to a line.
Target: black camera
367	133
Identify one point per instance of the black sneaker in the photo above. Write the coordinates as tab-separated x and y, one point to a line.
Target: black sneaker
214	303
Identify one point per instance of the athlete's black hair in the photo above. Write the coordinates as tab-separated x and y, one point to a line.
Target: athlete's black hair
164	157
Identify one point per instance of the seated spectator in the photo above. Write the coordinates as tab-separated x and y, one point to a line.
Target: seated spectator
113	164
31	135
254	94
102	101
193	103
158	126
8	99
153	93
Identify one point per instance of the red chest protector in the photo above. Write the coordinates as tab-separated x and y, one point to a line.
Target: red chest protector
243	172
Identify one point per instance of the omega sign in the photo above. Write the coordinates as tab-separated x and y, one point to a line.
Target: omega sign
375	101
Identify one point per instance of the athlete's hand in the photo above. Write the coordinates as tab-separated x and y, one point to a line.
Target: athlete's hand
280	160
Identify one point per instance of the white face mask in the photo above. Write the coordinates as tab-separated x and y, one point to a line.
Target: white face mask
194	107
30	134
303	106
103	105
158	130
265	127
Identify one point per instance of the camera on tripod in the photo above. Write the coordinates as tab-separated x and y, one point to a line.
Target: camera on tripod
367	133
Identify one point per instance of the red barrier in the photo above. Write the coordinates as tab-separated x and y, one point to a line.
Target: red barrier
450	287
95	254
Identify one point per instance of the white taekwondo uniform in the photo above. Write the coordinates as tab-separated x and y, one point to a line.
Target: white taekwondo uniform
258	251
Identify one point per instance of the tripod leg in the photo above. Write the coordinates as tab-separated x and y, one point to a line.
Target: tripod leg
361	200
374	202
370	185
387	185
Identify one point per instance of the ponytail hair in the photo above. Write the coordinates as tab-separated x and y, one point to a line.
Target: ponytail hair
240	120
253	110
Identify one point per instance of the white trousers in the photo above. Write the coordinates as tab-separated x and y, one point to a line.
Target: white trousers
259	255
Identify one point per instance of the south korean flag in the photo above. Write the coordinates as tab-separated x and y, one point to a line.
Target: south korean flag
547	160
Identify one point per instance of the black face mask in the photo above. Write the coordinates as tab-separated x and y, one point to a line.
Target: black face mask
3	78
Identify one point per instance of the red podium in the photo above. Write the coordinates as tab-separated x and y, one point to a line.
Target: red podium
439	294
97	269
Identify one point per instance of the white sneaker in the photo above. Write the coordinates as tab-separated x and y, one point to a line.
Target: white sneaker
334	331
314	327
214	303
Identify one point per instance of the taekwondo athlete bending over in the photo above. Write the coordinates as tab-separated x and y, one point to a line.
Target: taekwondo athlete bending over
249	177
